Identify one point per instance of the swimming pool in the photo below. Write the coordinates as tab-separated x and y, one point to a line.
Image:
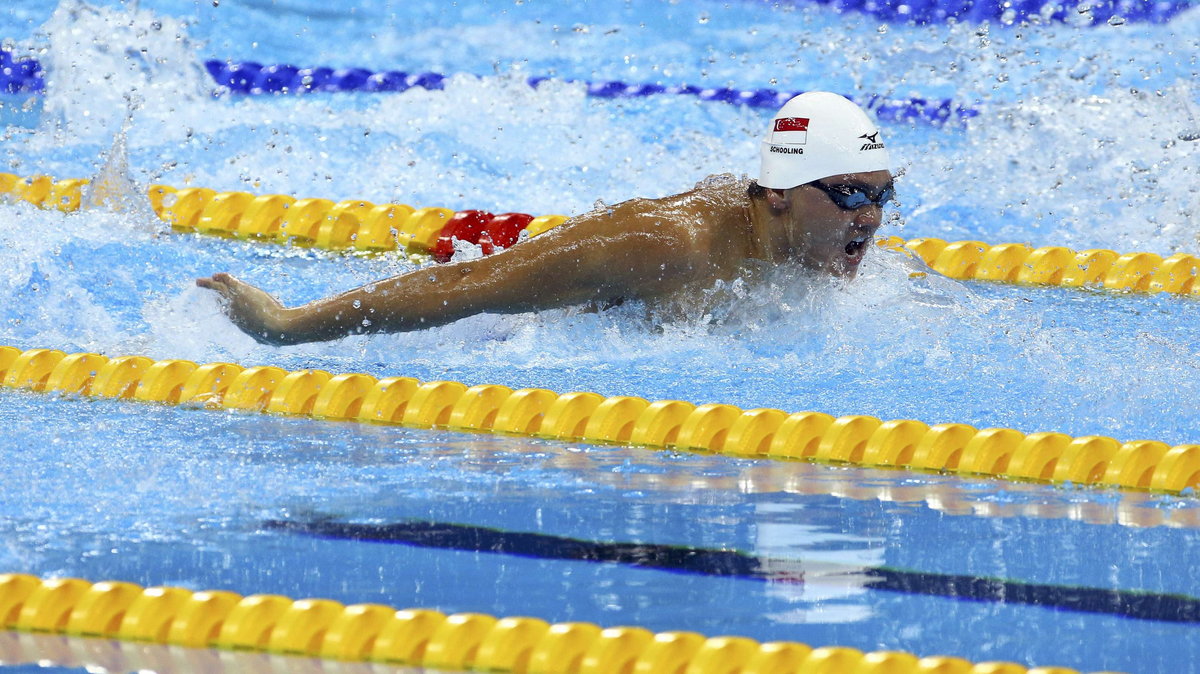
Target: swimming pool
1080	141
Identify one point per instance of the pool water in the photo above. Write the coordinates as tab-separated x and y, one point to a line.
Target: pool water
247	503
1081	140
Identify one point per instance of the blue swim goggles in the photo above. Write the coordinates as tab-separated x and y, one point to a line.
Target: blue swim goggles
854	197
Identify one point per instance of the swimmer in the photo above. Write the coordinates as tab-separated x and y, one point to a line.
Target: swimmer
818	200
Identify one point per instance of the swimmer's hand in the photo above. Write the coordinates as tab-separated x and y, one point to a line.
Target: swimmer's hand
254	311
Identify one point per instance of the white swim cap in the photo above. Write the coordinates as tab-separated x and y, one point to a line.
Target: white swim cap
816	135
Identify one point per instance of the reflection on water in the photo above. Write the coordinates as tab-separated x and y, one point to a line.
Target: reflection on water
832	568
102	655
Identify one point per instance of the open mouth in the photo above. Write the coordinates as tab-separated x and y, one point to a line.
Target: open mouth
856	246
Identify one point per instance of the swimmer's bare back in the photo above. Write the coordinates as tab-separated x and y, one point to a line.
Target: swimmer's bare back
642	248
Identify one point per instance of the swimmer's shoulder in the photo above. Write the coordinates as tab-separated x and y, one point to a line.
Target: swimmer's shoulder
714	195
690	223
714	191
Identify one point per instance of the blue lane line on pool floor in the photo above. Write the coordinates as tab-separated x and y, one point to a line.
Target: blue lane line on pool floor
734	564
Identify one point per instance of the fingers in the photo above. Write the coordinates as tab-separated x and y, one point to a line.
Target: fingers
220	282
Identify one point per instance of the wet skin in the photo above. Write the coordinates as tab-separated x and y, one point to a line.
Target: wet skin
642	248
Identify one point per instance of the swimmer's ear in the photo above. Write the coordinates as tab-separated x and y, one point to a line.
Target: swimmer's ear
777	202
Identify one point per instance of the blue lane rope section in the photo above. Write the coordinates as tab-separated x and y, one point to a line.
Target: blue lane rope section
19	76
255	78
1087	12
249	78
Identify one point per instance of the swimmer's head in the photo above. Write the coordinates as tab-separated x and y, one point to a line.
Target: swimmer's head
824	181
816	135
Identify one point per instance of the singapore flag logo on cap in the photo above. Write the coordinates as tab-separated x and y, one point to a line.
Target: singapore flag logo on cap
790	131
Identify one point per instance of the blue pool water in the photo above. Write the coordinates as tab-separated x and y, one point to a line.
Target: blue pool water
1081	141
186	498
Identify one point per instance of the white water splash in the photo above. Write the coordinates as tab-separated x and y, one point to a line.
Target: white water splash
99	58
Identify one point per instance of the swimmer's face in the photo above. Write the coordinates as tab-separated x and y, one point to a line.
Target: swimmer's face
831	237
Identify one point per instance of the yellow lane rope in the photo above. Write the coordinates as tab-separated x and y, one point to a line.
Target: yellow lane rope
357	225
422	637
352	225
858	440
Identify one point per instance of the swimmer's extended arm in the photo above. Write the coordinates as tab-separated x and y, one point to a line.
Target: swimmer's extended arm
622	253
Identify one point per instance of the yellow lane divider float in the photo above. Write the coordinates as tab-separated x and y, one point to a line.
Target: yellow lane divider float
352	225
1055	265
357	225
589	417
425	638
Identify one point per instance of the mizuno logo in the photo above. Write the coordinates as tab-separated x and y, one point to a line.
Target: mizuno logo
872	142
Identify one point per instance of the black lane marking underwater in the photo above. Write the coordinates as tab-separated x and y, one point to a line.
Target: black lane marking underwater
731	563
